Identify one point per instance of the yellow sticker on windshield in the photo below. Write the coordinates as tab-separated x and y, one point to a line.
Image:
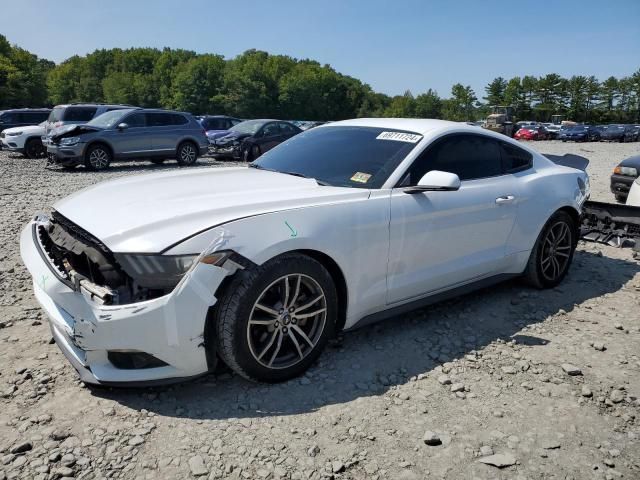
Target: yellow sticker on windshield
361	177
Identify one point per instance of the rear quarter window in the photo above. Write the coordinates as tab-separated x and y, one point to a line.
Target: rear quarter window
79	114
515	159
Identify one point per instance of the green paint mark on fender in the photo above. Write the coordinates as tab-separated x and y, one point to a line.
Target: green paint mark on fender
294	232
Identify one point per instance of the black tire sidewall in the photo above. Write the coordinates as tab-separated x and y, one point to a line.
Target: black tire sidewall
28	144
288	264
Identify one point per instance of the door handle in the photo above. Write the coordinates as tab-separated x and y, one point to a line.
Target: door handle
505	199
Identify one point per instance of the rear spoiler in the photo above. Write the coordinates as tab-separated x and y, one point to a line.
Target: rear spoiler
569	160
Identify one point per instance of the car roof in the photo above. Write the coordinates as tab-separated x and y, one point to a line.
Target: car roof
417	125
117	105
26	110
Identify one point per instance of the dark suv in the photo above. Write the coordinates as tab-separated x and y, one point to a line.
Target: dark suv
126	134
21	117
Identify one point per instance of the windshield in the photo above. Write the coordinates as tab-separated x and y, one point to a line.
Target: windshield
250	127
109	119
56	114
358	157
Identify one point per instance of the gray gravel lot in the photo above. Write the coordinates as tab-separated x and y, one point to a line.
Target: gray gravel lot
504	383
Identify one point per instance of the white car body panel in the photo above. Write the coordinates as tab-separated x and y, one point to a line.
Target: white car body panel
392	248
633	199
27	132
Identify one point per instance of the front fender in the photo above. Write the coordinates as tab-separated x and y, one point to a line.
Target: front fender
354	234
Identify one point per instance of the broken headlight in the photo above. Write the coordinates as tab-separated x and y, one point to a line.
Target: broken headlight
164	271
69	141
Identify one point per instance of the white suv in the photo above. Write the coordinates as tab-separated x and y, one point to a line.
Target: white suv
26	140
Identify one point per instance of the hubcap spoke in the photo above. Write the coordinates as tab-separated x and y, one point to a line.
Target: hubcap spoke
302	334
278	346
307	305
262	322
312	314
295	342
269	310
271	340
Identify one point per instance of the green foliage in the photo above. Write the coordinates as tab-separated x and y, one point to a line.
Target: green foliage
22	77
256	84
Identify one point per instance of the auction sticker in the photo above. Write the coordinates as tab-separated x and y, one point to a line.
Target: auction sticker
361	177
400	137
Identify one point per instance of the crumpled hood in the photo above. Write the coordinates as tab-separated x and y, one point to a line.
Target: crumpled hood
148	213
230	137
72	129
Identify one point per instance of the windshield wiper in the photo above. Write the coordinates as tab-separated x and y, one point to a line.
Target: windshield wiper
295	174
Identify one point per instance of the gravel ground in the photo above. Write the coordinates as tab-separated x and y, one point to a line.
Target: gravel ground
505	383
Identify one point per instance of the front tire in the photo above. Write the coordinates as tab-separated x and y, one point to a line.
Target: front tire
98	157
273	321
34	148
552	253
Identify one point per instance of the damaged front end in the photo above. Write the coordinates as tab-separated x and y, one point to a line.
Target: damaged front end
125	319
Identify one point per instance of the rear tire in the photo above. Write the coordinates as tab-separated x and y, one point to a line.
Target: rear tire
187	154
258	334
34	148
552	253
98	157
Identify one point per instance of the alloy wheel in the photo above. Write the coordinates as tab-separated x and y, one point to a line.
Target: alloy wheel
556	251
99	158
188	154
287	321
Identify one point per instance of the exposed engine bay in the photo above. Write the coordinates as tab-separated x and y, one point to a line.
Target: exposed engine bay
85	263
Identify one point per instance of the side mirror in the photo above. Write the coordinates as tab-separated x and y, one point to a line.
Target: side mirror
436	181
123	126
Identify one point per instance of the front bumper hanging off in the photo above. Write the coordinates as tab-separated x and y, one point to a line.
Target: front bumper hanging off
611	224
168	329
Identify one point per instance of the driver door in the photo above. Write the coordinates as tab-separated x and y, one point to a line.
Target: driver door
440	240
269	137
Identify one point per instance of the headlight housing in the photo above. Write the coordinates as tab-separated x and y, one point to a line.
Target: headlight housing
164	272
69	141
629	171
14	134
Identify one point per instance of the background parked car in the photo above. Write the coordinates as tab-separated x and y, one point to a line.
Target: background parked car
250	139
217	126
579	133
531	132
620	133
26	140
623	177
552	130
125	134
19	117
77	114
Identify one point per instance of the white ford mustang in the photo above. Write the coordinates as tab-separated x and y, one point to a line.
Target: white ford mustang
151	278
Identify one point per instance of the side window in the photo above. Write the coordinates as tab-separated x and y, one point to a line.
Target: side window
468	156
270	130
177	119
158	119
79	114
8	117
515	159
235	122
286	128
135	120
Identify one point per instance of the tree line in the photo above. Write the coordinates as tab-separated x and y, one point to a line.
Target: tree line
257	84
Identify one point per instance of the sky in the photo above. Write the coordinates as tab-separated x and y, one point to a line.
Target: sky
391	45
